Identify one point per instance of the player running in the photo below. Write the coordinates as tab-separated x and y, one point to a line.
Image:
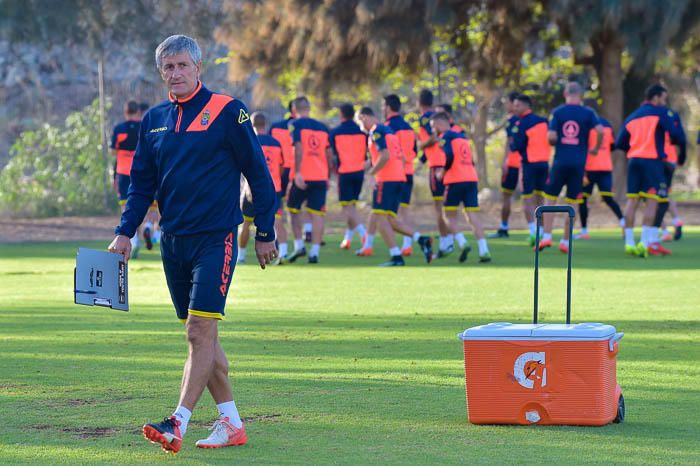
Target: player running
407	138
461	185
433	154
272	150
388	169
643	137
530	141
312	164
569	128
125	137
349	143
510	170
599	172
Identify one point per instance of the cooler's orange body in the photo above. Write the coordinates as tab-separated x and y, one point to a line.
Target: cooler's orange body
542	374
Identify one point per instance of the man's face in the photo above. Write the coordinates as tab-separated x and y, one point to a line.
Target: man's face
439	125
365	122
180	74
519	107
663	99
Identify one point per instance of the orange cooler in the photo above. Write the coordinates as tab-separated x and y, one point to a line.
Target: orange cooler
543	373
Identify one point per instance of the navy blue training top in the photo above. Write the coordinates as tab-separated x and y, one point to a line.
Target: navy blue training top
573	124
192	152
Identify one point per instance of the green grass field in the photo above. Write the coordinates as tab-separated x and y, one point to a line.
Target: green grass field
344	362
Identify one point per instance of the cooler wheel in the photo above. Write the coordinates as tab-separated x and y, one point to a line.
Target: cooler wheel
620	418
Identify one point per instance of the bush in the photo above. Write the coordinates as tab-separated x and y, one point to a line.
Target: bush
57	170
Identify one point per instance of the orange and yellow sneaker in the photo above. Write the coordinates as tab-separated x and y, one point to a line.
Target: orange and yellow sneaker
655	249
224	434
544	243
345	244
407	251
165	433
365	252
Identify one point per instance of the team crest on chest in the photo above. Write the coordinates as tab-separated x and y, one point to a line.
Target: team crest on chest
205	118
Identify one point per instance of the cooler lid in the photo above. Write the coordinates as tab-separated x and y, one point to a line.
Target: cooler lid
506	330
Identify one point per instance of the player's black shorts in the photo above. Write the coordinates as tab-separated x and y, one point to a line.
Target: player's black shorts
534	178
123	182
466	193
509	180
602	179
437	188
407	191
198	270
314	195
386	197
570	176
645	178
350	187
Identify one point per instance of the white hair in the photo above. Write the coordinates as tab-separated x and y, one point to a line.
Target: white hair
178	44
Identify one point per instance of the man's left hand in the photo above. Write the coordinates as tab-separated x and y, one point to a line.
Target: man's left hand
266	252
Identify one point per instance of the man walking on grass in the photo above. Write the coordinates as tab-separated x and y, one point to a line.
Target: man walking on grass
192	150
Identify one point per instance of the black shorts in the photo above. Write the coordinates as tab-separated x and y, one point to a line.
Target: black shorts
669	169
509	180
314	195
604	181
437	188
350	187
565	175
646	178
466	193
407	191
386	197
534	178
198	270
123	182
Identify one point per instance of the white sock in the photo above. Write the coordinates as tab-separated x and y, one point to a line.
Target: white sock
645	235
483	246
564	241
532	226
284	250
654	236
547	236
230	411
443	243
308	228
348	234
666	232
629	236
584	230
315	249
149	225
370	241
361	230
407	242
450	240
298	244
416	236
461	240
677	221
241	255
504	225
395	251
183	415
622	222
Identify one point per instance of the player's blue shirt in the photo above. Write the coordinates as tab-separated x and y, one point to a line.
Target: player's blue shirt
573	124
193	153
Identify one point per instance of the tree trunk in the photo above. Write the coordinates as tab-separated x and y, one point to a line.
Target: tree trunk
612	92
480	134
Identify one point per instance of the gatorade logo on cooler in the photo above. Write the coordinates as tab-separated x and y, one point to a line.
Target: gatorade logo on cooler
529	369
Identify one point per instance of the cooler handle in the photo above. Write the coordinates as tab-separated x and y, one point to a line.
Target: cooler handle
615	338
538	214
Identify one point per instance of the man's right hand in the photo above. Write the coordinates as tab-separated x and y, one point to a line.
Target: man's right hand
121	245
299	181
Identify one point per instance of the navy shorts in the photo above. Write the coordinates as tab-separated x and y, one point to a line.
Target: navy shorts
314	195
386	197
604	181
123	182
570	176
534	178
249	211
285	179
509	180
645	178
350	187
669	168
466	193
198	270
407	191
437	188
